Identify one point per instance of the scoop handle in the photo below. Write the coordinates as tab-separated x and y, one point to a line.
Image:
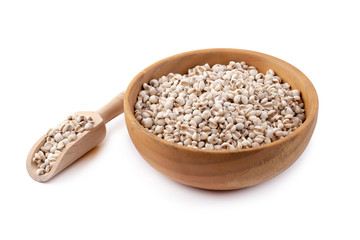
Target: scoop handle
114	108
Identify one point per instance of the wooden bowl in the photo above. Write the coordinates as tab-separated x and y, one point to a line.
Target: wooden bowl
221	169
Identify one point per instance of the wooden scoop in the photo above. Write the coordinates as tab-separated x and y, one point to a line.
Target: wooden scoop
84	142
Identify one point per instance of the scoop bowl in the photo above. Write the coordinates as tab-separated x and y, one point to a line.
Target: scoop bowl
83	143
73	151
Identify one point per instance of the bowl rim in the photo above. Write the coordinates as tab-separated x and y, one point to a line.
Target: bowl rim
130	116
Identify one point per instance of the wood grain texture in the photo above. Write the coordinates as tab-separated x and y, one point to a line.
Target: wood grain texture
219	169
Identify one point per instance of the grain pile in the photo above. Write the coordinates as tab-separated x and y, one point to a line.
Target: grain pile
221	107
57	139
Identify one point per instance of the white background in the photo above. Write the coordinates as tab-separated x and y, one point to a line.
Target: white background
59	57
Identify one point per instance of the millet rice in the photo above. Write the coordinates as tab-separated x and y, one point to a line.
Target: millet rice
220	107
